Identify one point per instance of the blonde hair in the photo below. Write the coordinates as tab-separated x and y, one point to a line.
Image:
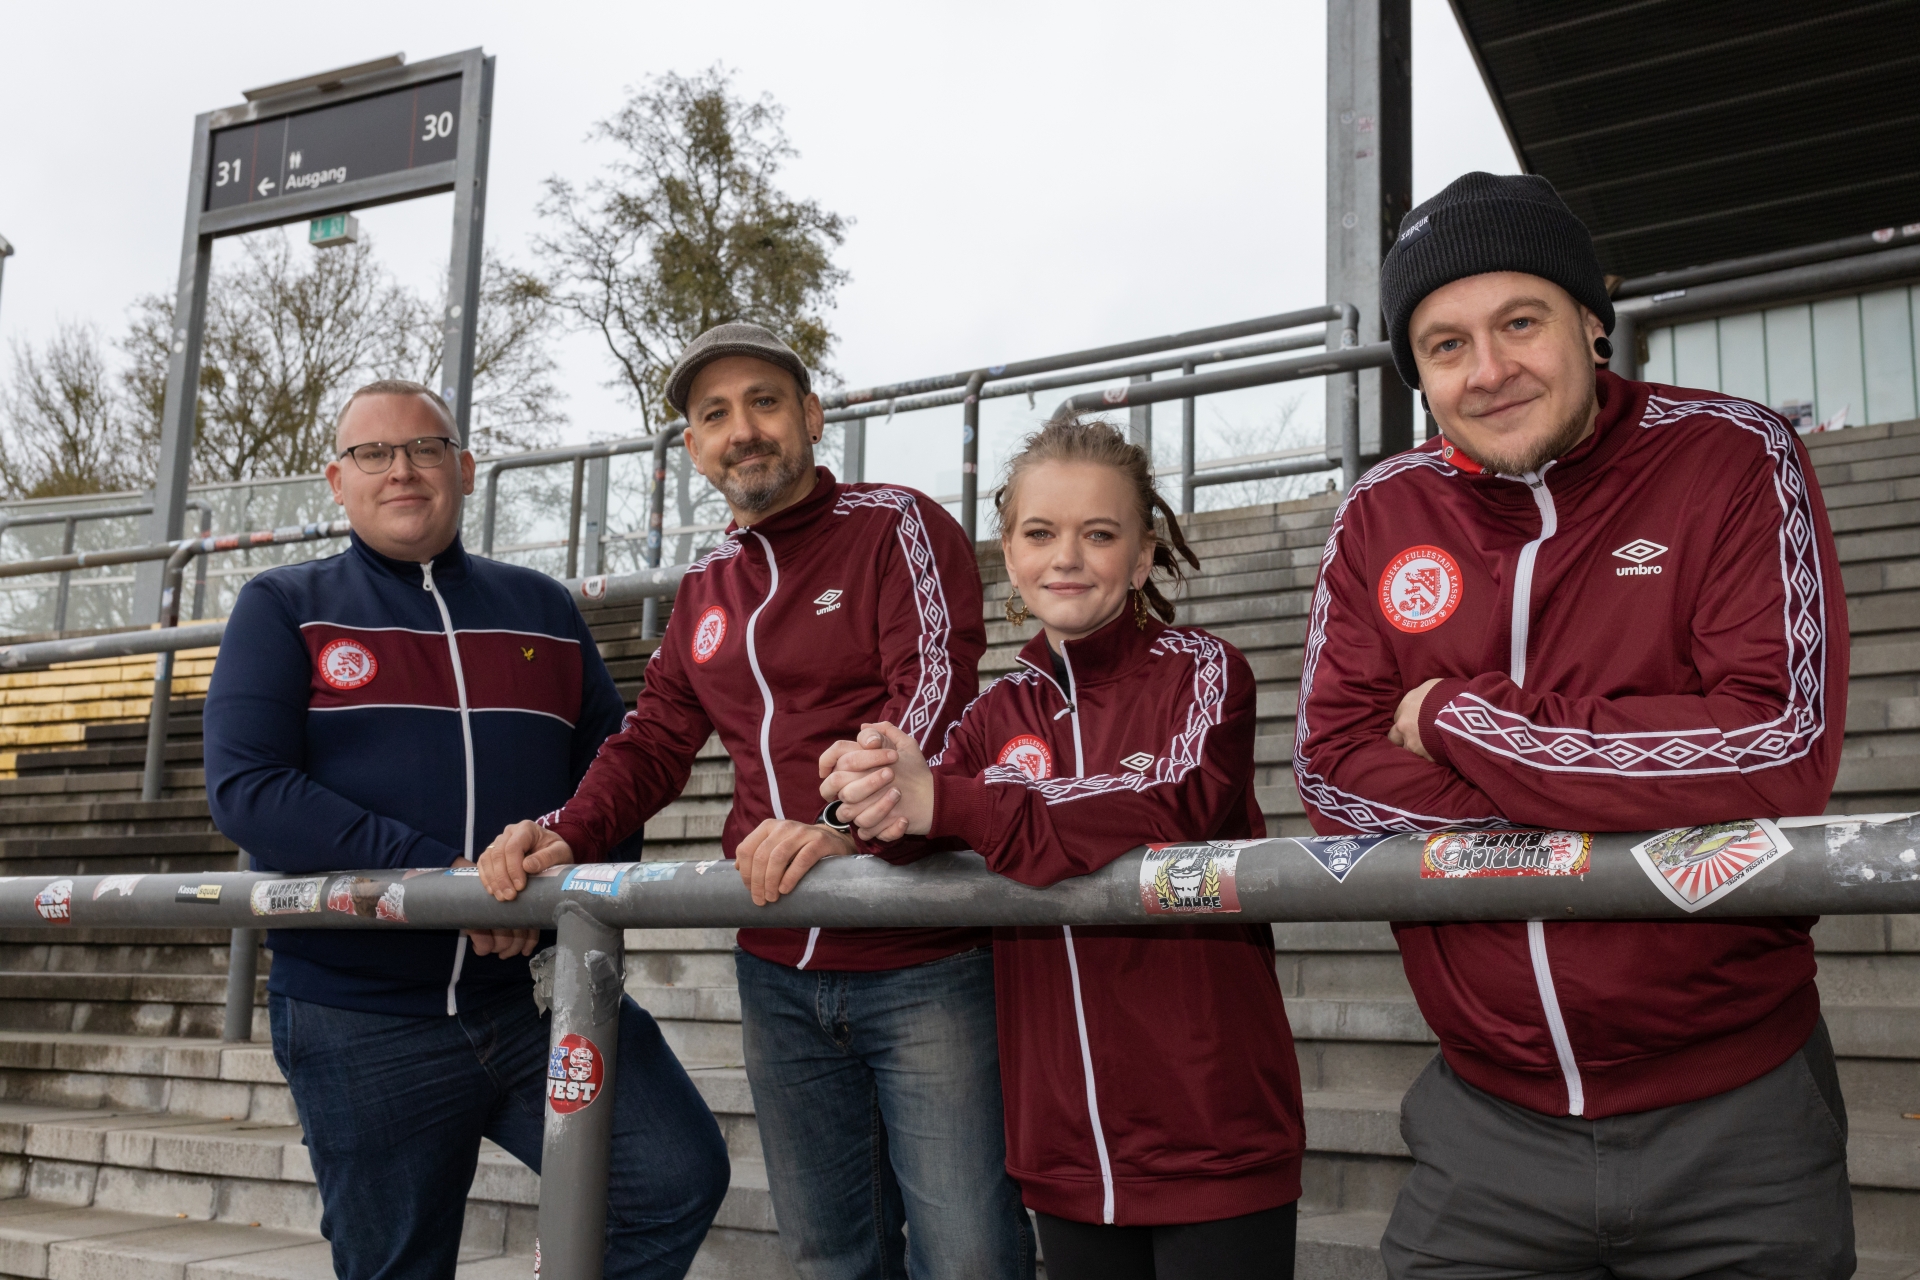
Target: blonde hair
1069	439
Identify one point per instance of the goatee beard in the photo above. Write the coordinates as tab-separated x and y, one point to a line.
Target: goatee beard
1531	458
757	494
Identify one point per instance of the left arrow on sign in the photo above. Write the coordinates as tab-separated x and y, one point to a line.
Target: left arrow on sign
266	185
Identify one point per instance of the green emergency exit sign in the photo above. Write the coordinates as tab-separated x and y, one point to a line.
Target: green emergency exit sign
335	228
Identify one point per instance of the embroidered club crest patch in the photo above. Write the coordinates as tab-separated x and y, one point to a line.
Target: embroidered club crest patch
709	633
1338	854
1189	879
1471	855
1029	755
1420	588
574	1074
1695	866
347	664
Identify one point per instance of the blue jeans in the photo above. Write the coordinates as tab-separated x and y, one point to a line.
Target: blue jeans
879	1104
394	1109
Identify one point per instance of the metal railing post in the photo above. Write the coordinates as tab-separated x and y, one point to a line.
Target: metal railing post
853	450
1349	390
66	578
492	510
573	517
243	966
593	538
970	456
656	525
200	565
154	776
583	1060
1140	421
1186	446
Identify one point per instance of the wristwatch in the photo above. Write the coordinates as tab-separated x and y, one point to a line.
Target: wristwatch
830	817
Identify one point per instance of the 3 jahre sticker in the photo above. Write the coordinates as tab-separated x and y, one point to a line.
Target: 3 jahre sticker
574	1074
1189	879
1695	866
1464	855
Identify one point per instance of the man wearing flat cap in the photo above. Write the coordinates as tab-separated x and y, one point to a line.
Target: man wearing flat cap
1590	604
872	1053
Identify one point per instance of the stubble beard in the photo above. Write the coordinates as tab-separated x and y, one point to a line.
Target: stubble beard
1530	458
760	492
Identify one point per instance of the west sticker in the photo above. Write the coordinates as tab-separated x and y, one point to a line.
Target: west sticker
122	885
601	878
1473	855
205	894
1338	854
1696	866
1189	879
1029	755
55	902
574	1074
286	897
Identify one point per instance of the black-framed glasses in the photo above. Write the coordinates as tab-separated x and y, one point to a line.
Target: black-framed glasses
375	457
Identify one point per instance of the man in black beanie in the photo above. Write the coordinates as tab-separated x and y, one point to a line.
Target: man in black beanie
1589	605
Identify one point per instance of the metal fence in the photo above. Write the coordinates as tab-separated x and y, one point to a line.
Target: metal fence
1797	867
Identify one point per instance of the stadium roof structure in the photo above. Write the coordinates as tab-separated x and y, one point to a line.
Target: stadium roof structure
1691	131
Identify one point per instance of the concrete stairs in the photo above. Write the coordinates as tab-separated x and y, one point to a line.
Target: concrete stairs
134	1144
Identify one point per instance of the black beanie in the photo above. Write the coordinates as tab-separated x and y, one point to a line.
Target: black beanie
1484	223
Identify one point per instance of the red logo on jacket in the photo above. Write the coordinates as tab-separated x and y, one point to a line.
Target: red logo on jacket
709	632
1420	589
347	664
1029	755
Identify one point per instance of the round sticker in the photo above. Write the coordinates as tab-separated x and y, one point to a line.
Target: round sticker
347	664
1029	755
1420	589
574	1074
709	632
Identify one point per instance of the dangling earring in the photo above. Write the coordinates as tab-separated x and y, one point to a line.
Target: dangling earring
1140	608
1016	609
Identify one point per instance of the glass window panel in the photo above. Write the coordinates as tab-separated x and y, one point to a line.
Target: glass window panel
1743	357
1839	376
1790	363
1696	355
1887	340
1659	356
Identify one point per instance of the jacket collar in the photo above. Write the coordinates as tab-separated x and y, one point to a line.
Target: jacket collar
1108	655
450	567
1622	404
798	518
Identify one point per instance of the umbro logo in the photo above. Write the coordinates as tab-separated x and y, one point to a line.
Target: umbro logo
828	601
1138	761
1639	552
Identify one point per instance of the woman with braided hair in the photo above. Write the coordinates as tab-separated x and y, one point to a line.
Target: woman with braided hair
1152	1093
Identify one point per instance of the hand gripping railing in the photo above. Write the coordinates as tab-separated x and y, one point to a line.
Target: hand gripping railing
1797	867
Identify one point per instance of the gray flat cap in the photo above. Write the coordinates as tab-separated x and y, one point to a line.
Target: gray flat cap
731	340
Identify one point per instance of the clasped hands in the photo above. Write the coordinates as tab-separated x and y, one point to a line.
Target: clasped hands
1405	732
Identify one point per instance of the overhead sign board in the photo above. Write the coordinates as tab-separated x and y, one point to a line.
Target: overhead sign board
329	146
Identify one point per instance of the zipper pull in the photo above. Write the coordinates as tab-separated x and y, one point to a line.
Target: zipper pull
1066	710
426	576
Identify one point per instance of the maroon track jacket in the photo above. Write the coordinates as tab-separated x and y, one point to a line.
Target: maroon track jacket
1149	1072
859	603
1651	633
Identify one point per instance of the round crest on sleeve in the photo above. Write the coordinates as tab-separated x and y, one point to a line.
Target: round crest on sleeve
1420	588
1029	755
709	633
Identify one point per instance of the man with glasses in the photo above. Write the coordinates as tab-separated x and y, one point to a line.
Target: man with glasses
377	708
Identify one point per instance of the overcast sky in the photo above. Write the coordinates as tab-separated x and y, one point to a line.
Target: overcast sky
1025	178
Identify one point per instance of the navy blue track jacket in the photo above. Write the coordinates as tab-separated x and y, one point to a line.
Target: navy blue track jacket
365	712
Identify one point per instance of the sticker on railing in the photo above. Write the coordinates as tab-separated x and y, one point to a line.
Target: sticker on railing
392	905
1697	866
595	587
601	878
1878	861
1474	855
353	896
55	902
574	1074
1338	854
1191	879
205	894
463	871
286	897
122	885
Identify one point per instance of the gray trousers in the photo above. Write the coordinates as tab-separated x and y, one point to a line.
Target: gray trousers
1751	1183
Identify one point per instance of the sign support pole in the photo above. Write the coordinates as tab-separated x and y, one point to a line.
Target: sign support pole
469	217
183	382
